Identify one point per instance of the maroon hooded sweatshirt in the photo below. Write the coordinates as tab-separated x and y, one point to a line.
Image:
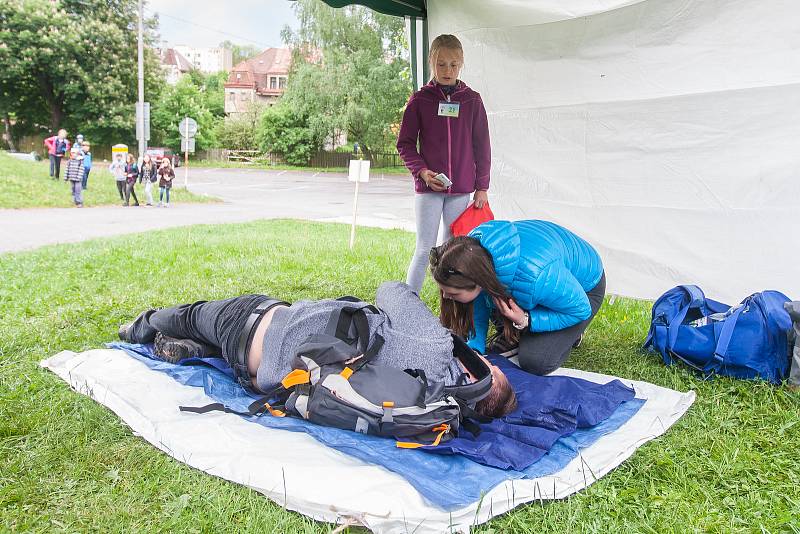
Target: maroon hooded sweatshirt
457	146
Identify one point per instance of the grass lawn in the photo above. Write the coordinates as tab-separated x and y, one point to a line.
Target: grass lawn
27	184
69	464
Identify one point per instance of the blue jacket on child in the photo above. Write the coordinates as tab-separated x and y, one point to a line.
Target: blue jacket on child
546	269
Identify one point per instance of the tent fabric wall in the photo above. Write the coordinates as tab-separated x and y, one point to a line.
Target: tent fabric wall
664	132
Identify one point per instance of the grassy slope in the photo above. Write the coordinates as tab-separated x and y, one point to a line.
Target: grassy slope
27	184
67	463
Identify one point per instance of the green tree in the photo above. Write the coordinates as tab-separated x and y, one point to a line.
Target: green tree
284	131
185	99
213	88
72	64
241	131
361	83
240	52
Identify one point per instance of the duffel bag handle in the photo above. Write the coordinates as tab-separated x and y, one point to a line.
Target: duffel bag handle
697	298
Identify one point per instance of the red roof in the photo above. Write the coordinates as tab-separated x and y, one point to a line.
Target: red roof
170	56
254	73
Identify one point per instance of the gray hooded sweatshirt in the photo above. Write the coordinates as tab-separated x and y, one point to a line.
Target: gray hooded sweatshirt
414	338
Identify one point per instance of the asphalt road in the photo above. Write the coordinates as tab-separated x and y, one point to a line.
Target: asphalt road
386	202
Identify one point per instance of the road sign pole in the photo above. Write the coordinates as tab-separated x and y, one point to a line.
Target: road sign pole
186	157
355	211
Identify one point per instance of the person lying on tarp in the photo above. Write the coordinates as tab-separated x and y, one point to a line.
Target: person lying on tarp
265	333
540	284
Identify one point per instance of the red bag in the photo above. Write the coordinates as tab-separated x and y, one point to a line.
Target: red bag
471	218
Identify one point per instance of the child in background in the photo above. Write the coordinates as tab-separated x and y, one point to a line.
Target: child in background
87	164
131	175
74	175
117	169
148	173
447	120
166	175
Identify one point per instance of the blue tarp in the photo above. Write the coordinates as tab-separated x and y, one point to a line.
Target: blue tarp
539	438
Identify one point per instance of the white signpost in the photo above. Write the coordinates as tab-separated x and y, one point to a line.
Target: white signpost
359	172
187	129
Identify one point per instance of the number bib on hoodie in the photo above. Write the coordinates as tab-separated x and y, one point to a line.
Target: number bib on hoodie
449	109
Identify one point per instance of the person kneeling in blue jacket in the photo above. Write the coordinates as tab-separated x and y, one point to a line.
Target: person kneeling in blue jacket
539	284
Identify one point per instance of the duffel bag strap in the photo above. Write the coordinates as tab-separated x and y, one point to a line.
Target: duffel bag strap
725	335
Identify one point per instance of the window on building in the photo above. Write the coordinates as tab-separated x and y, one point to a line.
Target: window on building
273	82
282	82
231	96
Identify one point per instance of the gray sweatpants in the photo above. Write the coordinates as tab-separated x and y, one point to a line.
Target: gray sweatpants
430	210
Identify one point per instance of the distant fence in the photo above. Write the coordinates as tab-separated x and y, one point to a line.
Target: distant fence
322	159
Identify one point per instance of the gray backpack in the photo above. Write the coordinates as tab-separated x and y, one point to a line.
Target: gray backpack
336	383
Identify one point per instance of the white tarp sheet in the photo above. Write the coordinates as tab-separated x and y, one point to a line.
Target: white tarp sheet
665	132
228	446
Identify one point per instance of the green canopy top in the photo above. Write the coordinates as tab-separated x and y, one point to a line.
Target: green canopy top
398	8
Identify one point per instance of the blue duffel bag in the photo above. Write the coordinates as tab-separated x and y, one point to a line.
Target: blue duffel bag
748	340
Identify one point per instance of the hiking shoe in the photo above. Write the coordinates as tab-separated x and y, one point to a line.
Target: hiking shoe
124	332
173	350
503	348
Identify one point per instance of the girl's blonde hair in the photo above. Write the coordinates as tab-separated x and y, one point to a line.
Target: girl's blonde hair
445	40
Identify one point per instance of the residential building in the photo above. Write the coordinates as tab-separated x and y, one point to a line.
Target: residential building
173	64
208	60
261	80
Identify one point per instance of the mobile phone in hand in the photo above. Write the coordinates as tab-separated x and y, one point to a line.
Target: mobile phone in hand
443	179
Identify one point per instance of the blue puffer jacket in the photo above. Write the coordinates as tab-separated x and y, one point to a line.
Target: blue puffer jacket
545	267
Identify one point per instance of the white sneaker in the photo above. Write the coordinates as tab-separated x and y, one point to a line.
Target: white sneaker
166	205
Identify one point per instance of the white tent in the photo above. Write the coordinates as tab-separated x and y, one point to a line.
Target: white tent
665	132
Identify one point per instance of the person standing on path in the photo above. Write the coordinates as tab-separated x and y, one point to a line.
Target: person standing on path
87	164
117	169
74	175
148	173
131	175
166	175
57	148
449	121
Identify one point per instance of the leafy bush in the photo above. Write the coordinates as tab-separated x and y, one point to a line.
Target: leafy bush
284	131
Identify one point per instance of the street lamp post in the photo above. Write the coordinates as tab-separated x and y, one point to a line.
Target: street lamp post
140	107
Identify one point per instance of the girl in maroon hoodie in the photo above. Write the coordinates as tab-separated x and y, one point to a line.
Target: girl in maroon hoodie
449	121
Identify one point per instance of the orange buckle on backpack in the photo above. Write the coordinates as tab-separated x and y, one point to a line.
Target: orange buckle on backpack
442	429
298	376
346	373
272	411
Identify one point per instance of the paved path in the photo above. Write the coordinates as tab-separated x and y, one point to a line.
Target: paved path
386	201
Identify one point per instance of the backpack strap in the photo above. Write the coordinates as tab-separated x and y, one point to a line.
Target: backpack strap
340	324
471	392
